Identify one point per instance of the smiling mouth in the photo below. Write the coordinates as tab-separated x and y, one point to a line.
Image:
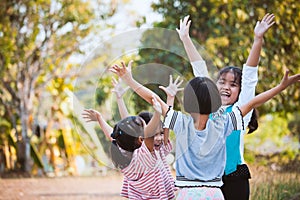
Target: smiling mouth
225	95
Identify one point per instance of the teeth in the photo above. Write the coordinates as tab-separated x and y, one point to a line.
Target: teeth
225	94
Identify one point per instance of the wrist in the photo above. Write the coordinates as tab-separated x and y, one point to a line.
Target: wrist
185	38
98	116
258	38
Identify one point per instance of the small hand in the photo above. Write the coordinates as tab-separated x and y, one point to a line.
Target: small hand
184	27
173	87
91	115
289	80
118	89
262	27
123	71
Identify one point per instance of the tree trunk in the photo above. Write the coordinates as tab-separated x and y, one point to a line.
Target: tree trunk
23	142
23	155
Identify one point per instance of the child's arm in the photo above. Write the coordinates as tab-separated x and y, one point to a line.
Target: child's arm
92	115
269	94
259	31
153	124
120	91
125	74
197	62
250	71
171	92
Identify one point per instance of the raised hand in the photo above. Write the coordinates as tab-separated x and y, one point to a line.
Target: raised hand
289	80
91	115
122	71
118	89
264	25
173	87
184	27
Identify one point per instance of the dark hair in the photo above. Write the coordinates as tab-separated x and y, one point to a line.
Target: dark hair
237	72
125	135
146	116
201	95
253	124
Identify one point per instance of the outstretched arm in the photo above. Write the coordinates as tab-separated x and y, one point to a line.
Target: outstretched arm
120	91
125	74
269	94
154	123
92	115
259	31
197	62
250	71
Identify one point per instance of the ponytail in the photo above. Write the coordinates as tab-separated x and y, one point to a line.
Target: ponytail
253	124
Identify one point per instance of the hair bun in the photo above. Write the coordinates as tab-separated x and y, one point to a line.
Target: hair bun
116	134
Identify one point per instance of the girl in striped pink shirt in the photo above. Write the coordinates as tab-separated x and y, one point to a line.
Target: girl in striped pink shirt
143	164
139	151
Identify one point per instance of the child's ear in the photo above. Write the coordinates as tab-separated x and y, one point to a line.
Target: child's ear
140	140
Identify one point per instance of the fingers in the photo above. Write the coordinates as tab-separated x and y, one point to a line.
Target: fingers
180	83
186	18
185	23
189	24
257	24
115	68
269	19
176	80
121	70
125	89
129	64
286	73
170	79
163	88
266	15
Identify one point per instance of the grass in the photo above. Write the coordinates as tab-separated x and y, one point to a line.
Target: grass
268	184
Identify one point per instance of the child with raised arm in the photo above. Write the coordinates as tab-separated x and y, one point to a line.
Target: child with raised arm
200	148
236	88
161	148
146	172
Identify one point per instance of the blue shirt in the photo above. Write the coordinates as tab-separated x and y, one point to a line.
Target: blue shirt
235	140
201	154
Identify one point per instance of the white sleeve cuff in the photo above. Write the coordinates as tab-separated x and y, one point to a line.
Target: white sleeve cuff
199	68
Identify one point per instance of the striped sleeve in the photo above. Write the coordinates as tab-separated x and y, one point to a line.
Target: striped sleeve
170	119
236	119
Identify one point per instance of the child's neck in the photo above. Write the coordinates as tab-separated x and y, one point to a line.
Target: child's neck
200	121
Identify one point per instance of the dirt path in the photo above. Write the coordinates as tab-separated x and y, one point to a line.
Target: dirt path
77	188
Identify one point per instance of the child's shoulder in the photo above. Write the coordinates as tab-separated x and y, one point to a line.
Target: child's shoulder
219	114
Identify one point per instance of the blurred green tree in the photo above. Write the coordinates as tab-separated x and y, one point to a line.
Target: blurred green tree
223	32
37	40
